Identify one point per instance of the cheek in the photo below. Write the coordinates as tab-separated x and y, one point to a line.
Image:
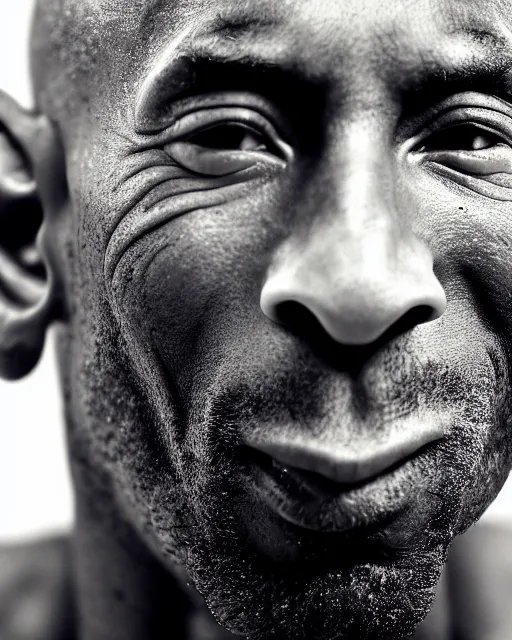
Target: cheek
470	237
190	290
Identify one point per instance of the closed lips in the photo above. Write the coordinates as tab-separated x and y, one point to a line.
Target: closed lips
346	464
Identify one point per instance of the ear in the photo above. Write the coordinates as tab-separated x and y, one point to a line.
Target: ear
29	299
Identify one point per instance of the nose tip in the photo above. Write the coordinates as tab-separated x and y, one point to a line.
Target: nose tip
355	308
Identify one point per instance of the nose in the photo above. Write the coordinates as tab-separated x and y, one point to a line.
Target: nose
356	303
358	280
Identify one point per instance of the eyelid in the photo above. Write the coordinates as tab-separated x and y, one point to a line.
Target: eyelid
219	163
255	104
461	101
217	99
482	161
204	119
499	125
179	141
467	107
477	127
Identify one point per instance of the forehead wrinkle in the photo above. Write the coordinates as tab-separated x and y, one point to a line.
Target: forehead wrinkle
476	38
246	21
487	23
247	29
252	29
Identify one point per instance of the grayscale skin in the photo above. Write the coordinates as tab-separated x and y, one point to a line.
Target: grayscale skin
275	239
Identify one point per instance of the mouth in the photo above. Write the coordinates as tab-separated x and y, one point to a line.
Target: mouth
326	491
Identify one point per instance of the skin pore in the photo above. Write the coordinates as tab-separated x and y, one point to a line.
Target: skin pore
275	237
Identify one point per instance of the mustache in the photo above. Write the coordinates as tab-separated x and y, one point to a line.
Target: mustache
392	387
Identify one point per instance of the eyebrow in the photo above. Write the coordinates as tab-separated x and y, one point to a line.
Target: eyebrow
237	54
219	66
488	71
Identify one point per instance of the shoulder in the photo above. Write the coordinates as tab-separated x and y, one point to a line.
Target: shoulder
35	591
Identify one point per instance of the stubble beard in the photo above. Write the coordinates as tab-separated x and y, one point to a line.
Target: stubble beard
188	508
385	598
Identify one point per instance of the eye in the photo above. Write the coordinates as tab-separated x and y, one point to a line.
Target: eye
470	149
227	140
233	136
466	137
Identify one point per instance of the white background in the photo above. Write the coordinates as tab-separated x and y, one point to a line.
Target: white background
35	496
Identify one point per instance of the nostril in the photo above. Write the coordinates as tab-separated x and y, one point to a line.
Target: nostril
297	318
295	314
407	322
289	311
417	315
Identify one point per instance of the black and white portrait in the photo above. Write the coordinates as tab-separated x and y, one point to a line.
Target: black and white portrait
256	319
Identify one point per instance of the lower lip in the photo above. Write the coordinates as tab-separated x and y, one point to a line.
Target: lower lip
311	502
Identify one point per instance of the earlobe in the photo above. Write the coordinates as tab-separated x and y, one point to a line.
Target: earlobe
28	300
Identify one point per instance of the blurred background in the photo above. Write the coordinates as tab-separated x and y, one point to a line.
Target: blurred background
35	494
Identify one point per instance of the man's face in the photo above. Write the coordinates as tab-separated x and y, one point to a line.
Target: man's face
269	199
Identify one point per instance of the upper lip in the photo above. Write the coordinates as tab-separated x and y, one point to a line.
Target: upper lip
348	464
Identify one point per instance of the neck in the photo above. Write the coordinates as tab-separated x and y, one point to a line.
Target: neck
122	590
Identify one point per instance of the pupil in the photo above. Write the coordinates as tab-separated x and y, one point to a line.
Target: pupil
468	139
225	137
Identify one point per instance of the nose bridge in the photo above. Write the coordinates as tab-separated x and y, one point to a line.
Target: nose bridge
363	213
357	234
359	267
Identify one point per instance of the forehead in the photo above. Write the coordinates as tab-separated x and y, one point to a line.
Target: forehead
286	18
317	33
112	48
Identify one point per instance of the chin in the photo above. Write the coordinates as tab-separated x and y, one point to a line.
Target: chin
351	605
255	597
